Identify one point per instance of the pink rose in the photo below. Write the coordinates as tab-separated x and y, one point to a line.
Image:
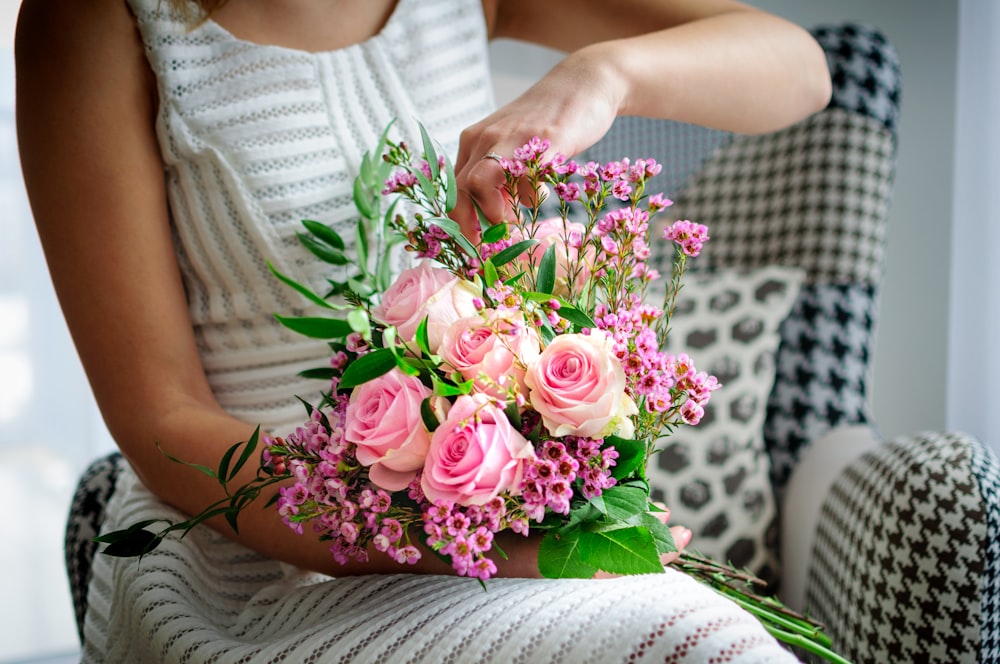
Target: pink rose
578	387
426	291
491	349
567	236
475	454
383	420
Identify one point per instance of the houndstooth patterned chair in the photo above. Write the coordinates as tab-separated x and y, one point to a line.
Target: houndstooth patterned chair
899	553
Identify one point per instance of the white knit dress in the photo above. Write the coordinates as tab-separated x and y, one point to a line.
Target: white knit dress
254	139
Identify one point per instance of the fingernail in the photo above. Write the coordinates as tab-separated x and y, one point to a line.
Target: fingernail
685	538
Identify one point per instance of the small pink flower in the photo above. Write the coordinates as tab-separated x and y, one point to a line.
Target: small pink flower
578	387
384	421
475	454
428	292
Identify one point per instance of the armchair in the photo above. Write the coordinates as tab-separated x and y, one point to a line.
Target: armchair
892	544
895	545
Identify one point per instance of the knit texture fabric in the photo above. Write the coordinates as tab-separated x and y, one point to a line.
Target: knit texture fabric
257	138
254	139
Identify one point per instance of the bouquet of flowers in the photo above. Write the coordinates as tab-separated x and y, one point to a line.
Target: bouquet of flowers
515	383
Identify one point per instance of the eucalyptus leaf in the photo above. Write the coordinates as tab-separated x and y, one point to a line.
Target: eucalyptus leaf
428	416
368	366
430	154
451	186
302	290
495	233
323	251
361	245
426	186
578	318
505	256
319	373
423	341
455	232
324	233
445	389
248	450
546	278
136	543
366	204
316	327
358	320
490	276
204	469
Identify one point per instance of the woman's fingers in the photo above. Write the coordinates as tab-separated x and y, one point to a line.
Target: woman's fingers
682	537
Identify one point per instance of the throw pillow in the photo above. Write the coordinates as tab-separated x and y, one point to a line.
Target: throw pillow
715	477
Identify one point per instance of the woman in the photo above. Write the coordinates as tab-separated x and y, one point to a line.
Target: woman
169	155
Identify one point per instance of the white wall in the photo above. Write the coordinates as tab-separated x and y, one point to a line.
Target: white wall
974	366
910	368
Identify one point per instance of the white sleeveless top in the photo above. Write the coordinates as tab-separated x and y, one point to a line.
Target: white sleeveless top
257	138
254	139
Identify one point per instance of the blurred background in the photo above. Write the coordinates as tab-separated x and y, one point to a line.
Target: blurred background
936	361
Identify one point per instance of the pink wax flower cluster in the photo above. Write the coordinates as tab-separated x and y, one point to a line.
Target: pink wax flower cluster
514	384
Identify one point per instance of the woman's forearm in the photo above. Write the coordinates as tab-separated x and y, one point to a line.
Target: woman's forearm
742	71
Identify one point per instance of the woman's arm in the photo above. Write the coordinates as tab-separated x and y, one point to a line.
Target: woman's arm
86	103
716	63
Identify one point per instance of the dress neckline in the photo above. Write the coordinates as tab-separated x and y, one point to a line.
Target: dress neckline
387	27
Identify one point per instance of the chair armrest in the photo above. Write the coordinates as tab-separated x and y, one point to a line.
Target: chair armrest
819	467
905	560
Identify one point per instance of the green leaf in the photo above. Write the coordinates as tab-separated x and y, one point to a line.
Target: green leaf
426	186
324	233
251	446
444	389
363	200
224	463
303	290
358	321
629	550
513	251
455	232
319	373
631	455
316	327
546	280
125	533
660	532
559	556
577	317
136	543
368	366
494	233
624	504
451	186
430	154
427	415
205	469
361	245
490	276
360	286
423	341
406	364
322	251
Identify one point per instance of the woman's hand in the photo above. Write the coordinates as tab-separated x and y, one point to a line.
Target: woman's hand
572	106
